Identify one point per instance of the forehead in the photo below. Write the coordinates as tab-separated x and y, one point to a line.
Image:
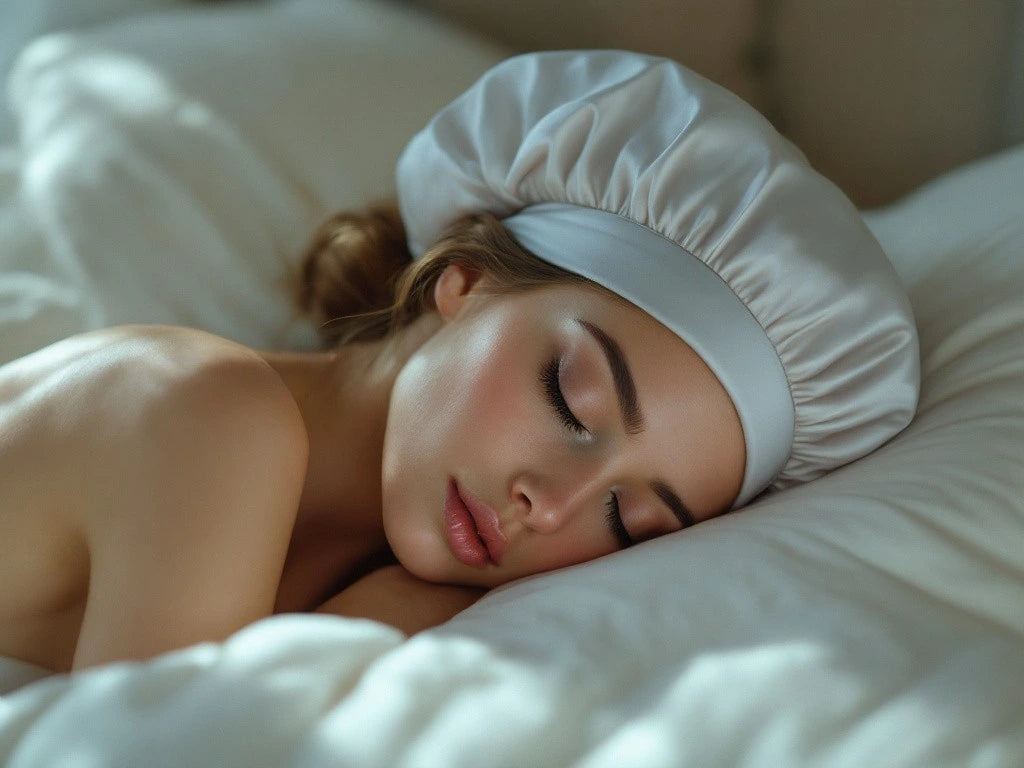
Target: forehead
643	338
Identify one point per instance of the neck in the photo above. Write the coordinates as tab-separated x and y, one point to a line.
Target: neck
343	396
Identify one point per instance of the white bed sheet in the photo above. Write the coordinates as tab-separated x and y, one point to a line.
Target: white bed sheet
873	617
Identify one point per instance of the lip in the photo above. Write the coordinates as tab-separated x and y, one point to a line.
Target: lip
487	525
471	529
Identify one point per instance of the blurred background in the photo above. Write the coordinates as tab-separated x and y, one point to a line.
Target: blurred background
881	95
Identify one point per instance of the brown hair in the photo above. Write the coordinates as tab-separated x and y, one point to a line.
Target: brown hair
358	280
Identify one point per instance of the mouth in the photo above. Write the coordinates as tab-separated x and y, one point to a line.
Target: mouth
472	529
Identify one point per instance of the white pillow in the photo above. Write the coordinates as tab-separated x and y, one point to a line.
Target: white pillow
170	166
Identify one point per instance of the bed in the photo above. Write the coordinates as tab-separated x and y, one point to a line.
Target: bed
163	164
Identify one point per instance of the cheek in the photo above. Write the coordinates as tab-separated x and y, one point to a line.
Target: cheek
464	400
491	401
489	395
500	423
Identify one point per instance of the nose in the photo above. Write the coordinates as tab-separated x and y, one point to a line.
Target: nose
548	501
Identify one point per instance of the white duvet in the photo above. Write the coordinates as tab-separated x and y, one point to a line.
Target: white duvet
166	166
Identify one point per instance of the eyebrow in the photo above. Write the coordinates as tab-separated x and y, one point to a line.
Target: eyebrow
625	387
673	502
632	417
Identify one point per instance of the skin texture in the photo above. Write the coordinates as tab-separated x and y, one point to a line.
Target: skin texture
170	487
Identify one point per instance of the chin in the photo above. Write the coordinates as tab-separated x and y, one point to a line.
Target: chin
421	555
437	565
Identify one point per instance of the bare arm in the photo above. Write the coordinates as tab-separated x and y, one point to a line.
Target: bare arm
396	597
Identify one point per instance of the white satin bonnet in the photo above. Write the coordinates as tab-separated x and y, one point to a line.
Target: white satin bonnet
669	190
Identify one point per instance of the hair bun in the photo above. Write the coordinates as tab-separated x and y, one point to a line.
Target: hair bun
350	268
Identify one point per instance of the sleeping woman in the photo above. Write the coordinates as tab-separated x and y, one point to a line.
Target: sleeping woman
614	304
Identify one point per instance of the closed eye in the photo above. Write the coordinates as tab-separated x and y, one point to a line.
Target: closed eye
614	518
553	392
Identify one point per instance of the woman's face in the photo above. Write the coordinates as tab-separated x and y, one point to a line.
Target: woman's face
545	428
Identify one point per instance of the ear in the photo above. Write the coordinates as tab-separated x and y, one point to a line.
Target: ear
453	288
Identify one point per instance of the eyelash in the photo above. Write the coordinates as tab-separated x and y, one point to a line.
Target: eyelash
549	378
614	519
553	391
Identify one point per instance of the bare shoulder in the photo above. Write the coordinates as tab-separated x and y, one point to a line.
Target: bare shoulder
213	416
118	375
183	381
197	456
150	404
157	471
102	403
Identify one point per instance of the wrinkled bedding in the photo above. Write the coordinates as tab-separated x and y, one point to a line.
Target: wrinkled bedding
158	166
